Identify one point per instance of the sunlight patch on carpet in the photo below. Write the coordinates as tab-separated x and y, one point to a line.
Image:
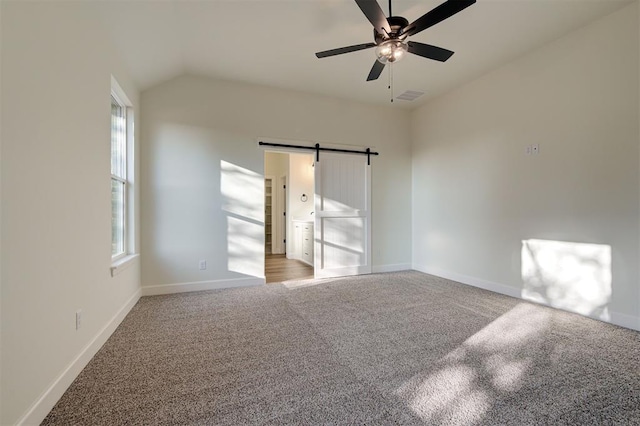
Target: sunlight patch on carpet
296	284
492	362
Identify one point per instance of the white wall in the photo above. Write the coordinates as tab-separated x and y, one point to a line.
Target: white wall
191	124
302	178
477	196
1	134
276	164
55	218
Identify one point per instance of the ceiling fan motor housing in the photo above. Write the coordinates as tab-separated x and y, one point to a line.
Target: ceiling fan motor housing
397	23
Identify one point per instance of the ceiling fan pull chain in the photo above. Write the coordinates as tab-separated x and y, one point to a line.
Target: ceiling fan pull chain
391	80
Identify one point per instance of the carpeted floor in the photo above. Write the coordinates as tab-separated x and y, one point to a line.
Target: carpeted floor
398	348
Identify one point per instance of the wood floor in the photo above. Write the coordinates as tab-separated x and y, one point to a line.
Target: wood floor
278	268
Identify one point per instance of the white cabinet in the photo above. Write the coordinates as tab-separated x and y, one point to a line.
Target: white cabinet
307	243
303	240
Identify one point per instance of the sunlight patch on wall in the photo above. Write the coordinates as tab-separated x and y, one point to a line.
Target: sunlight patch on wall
571	276
245	243
242	190
243	201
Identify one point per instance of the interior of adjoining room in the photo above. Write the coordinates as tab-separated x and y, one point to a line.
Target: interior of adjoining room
289	220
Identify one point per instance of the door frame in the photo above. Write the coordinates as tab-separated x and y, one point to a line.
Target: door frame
289	150
281	208
273	225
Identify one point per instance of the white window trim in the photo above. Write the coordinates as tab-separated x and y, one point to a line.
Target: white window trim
122	261
125	230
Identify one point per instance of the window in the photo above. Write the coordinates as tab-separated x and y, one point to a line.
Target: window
118	176
121	171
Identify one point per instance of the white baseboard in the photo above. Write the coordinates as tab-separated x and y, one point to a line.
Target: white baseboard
391	268
469	280
622	320
39	410
154	290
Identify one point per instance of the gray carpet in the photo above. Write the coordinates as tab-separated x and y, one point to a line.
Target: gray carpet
398	348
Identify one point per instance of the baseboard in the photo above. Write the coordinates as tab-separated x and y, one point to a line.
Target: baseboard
469	280
391	268
39	410
155	290
622	320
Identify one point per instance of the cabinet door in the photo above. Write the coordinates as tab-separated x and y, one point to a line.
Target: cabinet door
307	243
297	241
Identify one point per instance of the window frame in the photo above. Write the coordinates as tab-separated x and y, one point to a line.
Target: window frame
119	96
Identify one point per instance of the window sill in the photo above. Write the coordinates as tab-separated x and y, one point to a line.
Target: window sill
123	263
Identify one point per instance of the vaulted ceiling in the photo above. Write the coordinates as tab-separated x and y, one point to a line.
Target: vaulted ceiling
272	42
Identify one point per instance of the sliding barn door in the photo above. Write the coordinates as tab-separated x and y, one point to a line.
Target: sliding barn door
342	215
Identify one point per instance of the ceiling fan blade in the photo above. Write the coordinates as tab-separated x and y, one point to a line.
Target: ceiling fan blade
428	51
374	14
376	70
347	49
438	14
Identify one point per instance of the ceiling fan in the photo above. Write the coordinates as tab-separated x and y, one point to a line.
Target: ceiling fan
390	34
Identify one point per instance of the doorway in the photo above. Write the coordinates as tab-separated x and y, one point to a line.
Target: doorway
289	210
332	233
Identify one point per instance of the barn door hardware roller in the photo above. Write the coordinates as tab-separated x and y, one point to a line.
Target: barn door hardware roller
317	148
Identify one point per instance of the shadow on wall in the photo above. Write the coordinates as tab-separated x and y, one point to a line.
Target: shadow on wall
572	276
243	203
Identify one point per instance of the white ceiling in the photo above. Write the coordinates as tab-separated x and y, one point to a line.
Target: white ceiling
272	42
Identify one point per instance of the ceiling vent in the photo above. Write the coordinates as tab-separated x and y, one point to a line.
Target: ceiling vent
410	95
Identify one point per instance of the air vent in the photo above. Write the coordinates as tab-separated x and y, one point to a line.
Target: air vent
410	95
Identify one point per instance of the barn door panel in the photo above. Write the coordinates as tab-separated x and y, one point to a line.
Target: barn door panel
342	215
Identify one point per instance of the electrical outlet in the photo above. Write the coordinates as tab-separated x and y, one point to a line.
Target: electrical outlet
527	150
535	148
78	319
203	265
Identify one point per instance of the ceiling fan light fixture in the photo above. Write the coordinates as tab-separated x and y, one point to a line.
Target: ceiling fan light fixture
391	51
